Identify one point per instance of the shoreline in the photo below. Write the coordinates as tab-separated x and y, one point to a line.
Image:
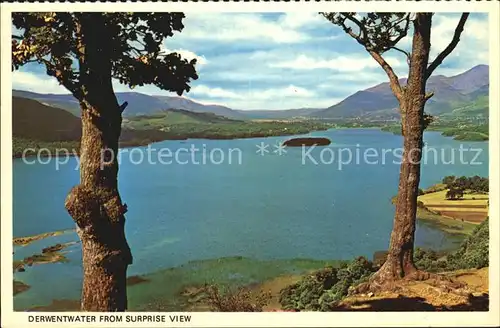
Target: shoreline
74	151
26	240
468	136
236	137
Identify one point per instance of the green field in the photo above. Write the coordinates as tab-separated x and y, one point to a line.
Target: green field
472	208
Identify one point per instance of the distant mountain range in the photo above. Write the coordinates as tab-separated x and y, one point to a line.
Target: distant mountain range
138	103
463	94
34	121
450	94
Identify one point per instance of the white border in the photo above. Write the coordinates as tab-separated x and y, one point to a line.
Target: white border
269	319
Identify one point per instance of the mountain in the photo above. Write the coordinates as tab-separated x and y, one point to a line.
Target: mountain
462	94
193	106
138	103
36	121
62	101
473	79
450	94
172	117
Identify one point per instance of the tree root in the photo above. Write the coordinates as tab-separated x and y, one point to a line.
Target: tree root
437	282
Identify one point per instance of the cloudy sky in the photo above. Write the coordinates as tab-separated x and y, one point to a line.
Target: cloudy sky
284	61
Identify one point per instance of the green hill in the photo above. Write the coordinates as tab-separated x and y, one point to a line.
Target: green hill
37	126
172	117
40	126
34	120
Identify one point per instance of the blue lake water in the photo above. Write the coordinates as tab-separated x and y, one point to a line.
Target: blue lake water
264	207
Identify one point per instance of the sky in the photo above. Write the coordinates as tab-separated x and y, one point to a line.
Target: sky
286	60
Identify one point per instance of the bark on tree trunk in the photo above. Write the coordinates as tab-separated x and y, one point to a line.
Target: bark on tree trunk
399	262
95	203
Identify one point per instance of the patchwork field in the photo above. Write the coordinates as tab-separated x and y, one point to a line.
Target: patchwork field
472	208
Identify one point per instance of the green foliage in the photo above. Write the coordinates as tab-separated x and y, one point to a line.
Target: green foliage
474	251
474	184
428	119
455	193
27	147
322	289
428	260
127	44
448	180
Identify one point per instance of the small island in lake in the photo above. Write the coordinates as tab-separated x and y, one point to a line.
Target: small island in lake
307	141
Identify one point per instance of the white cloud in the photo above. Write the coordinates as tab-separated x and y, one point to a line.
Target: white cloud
189	55
36	83
230	27
470	51
206	91
260	94
270	61
284	92
298	20
339	63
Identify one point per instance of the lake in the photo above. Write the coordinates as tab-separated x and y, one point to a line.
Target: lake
262	206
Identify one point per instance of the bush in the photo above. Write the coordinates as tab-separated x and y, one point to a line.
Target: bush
474	251
428	260
239	300
322	289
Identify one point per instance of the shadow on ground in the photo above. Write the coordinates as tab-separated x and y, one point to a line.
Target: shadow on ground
475	303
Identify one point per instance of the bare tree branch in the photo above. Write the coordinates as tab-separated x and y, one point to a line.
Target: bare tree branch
393	78
402	51
456	38
123	106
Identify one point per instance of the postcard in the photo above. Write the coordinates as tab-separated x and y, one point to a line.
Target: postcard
250	164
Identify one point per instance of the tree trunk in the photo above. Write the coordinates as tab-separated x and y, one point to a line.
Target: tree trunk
95	203
399	262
